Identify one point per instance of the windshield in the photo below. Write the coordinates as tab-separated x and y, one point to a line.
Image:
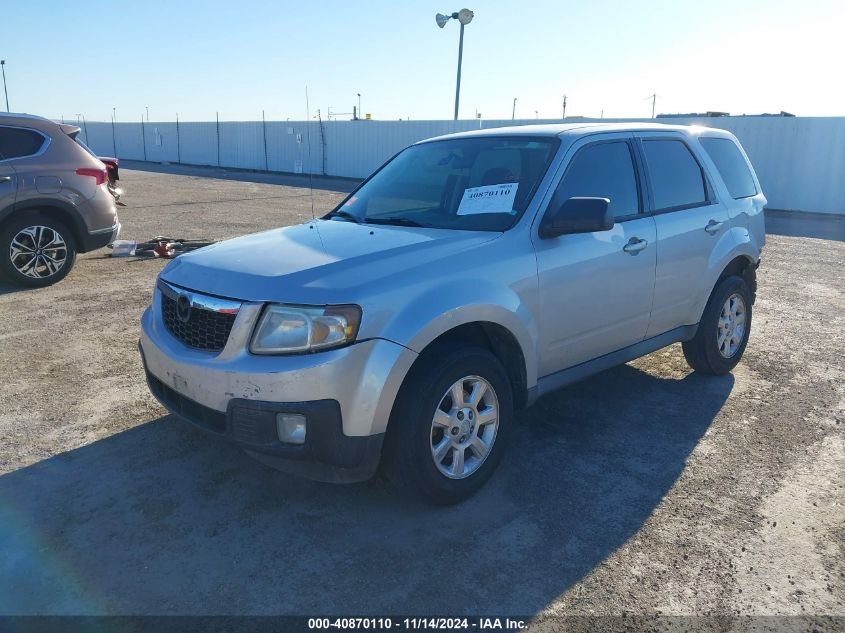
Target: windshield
480	184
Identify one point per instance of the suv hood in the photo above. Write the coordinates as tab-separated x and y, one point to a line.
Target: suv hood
319	262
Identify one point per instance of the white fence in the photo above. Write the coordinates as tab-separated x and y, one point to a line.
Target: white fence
800	161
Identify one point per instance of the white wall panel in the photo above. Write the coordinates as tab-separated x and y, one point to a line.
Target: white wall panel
800	161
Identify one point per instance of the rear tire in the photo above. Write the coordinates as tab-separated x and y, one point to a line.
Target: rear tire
723	331
36	250
435	446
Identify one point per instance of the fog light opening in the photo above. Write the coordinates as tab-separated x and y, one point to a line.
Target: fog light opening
291	427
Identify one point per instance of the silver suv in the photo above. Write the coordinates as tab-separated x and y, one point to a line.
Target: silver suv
467	277
54	200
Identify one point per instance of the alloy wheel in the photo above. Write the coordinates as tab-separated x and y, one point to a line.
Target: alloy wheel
730	329
464	427
38	252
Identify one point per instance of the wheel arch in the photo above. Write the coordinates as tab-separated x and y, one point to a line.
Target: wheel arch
496	338
742	264
54	209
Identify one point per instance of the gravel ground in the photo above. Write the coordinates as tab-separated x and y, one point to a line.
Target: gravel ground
644	490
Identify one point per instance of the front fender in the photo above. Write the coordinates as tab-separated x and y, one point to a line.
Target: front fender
459	302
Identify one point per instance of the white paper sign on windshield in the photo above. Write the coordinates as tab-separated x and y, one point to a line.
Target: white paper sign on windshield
488	199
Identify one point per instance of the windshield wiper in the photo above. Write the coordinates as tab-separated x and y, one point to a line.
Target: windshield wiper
346	216
394	221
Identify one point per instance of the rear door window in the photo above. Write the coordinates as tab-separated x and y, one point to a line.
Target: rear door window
677	180
732	166
602	170
18	143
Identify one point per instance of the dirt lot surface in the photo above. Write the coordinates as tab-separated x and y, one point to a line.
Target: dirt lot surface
643	490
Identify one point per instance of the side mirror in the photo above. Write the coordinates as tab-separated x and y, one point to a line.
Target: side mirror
577	215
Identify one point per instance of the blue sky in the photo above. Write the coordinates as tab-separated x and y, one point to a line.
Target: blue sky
237	58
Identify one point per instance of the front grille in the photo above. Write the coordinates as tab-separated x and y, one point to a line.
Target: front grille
205	329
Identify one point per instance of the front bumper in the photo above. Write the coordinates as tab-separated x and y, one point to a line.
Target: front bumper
346	394
326	455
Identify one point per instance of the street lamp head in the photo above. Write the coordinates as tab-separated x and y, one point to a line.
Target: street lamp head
464	16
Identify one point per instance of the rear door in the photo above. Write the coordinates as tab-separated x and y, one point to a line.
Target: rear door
596	288
16	145
689	221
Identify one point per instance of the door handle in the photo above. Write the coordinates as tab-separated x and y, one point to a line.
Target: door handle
635	245
713	227
5	178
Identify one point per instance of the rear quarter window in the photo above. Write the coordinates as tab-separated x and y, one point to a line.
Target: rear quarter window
18	142
732	166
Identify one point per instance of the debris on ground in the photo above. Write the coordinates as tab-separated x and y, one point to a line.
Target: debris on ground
159	246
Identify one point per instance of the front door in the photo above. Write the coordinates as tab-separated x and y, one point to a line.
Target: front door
596	288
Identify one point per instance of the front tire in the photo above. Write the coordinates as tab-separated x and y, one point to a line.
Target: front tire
450	424
36	250
723	331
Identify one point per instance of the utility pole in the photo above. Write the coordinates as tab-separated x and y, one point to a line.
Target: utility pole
564	107
5	90
653	98
513	112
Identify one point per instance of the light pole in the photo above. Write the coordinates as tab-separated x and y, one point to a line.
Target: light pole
359	105
513	112
653	99
3	68
113	133
464	16
148	113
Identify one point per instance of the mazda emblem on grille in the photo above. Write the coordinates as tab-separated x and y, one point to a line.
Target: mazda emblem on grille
183	308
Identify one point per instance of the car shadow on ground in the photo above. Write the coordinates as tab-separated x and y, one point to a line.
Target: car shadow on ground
162	518
7	289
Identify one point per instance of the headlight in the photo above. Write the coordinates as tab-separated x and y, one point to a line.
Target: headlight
285	329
